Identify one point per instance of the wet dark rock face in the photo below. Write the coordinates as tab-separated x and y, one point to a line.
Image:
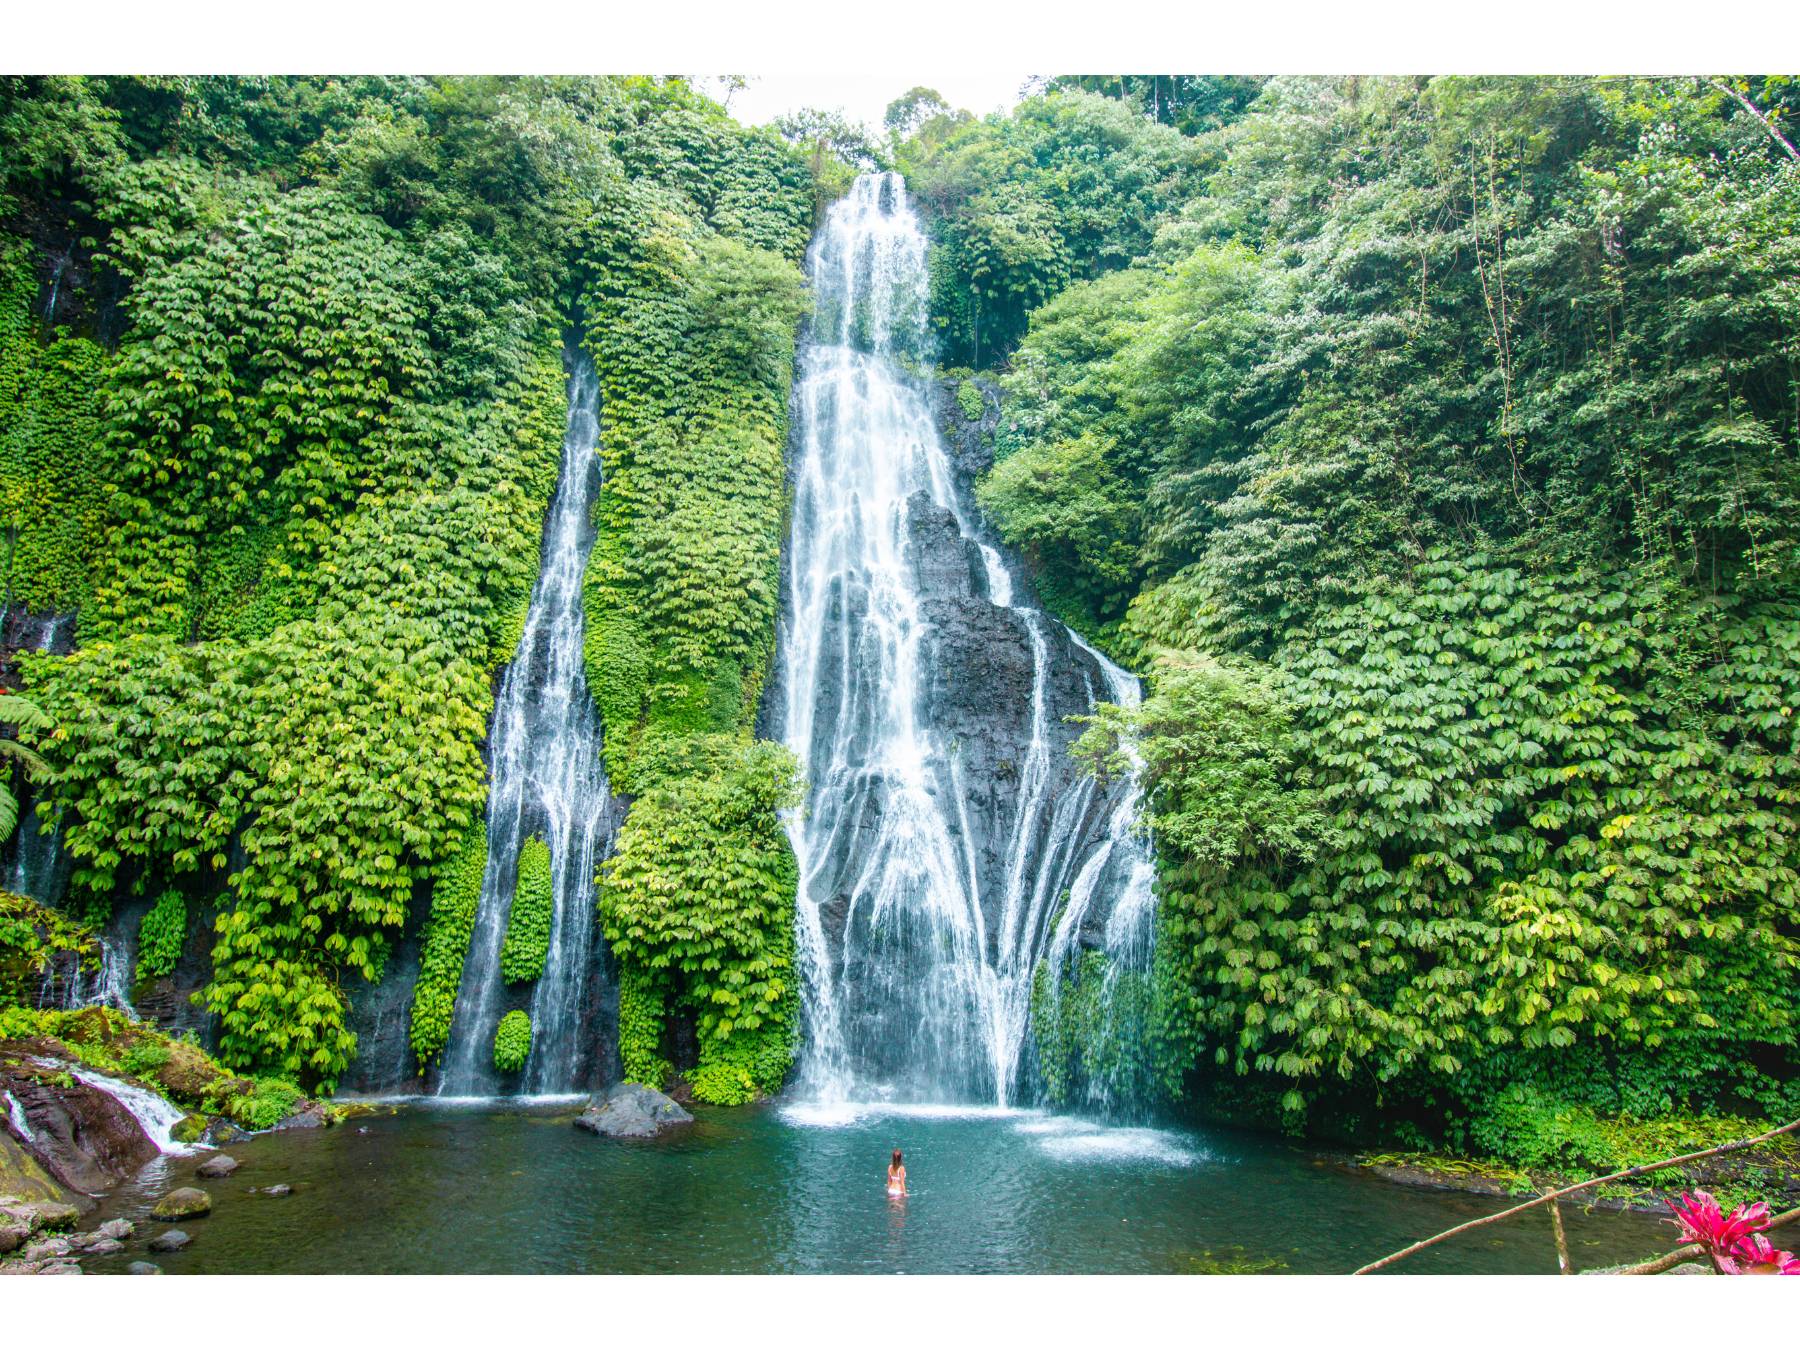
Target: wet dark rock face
978	695
381	1014
79	1134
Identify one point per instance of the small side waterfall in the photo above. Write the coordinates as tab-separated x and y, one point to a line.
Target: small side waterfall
926	701
109	986
547	781
155	1115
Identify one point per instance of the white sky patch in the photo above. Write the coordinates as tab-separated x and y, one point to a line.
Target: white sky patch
863	98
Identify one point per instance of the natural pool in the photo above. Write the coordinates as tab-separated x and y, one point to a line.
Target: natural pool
432	1188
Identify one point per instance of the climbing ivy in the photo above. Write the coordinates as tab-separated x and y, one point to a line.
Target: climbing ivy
1089	1027
528	922
455	898
1485	823
53	502
641	1013
691	301
32	938
512	1041
161	933
697	904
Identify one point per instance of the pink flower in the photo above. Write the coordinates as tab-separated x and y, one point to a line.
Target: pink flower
1754	1256
1731	1239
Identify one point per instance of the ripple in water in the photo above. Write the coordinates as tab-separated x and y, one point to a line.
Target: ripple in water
1071	1140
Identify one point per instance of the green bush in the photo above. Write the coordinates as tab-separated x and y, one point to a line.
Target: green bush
697	905
528	922
161	934
512	1041
968	398
455	901
268	1103
640	1029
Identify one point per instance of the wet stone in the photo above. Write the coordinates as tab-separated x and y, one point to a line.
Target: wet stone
186	1202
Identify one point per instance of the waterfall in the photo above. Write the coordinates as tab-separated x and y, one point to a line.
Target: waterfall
547	781
925	698
156	1115
107	987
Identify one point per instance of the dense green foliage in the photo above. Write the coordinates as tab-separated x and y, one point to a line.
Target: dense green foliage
115	1043
697	903
512	1041
33	939
1067	188
1190	103
16	760
641	1013
161	933
691	297
527	941
1089	1030
455	898
1439	459
298	487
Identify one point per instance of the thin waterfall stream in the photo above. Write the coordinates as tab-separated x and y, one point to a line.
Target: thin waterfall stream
949	844
547	782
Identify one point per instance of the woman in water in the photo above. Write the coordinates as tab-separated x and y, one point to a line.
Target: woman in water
896	1176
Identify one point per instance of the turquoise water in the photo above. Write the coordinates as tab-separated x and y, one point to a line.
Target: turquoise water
417	1189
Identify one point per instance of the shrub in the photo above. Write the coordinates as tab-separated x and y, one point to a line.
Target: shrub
528	923
455	899
512	1041
161	934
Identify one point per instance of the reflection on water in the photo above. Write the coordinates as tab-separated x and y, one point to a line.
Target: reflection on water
420	1188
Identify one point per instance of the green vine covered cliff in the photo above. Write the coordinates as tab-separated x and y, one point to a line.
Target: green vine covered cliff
281	388
1436	453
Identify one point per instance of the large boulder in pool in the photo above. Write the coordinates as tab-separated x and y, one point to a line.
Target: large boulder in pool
186	1202
631	1111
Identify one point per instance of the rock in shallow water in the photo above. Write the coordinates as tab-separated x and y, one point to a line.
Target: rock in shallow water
172	1241
188	1202
117	1229
143	1268
279	1188
221	1166
631	1111
105	1247
310	1117
50	1214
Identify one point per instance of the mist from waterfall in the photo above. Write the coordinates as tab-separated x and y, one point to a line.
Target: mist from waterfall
920	928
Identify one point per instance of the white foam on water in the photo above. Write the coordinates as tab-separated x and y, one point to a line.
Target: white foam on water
836	1115
1072	1140
474	1103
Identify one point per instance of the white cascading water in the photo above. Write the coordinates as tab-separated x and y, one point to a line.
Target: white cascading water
547	780
917	960
155	1115
40	870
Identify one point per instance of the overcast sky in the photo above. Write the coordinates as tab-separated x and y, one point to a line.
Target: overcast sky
865	97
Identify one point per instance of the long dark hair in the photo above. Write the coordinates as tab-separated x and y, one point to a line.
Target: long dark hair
896	1162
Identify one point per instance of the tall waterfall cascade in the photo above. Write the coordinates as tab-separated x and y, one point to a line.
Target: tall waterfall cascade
546	781
949	845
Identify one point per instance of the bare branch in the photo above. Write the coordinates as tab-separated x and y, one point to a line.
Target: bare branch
1549	1196
1754	111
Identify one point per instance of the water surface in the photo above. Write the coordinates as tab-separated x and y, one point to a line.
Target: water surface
434	1188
